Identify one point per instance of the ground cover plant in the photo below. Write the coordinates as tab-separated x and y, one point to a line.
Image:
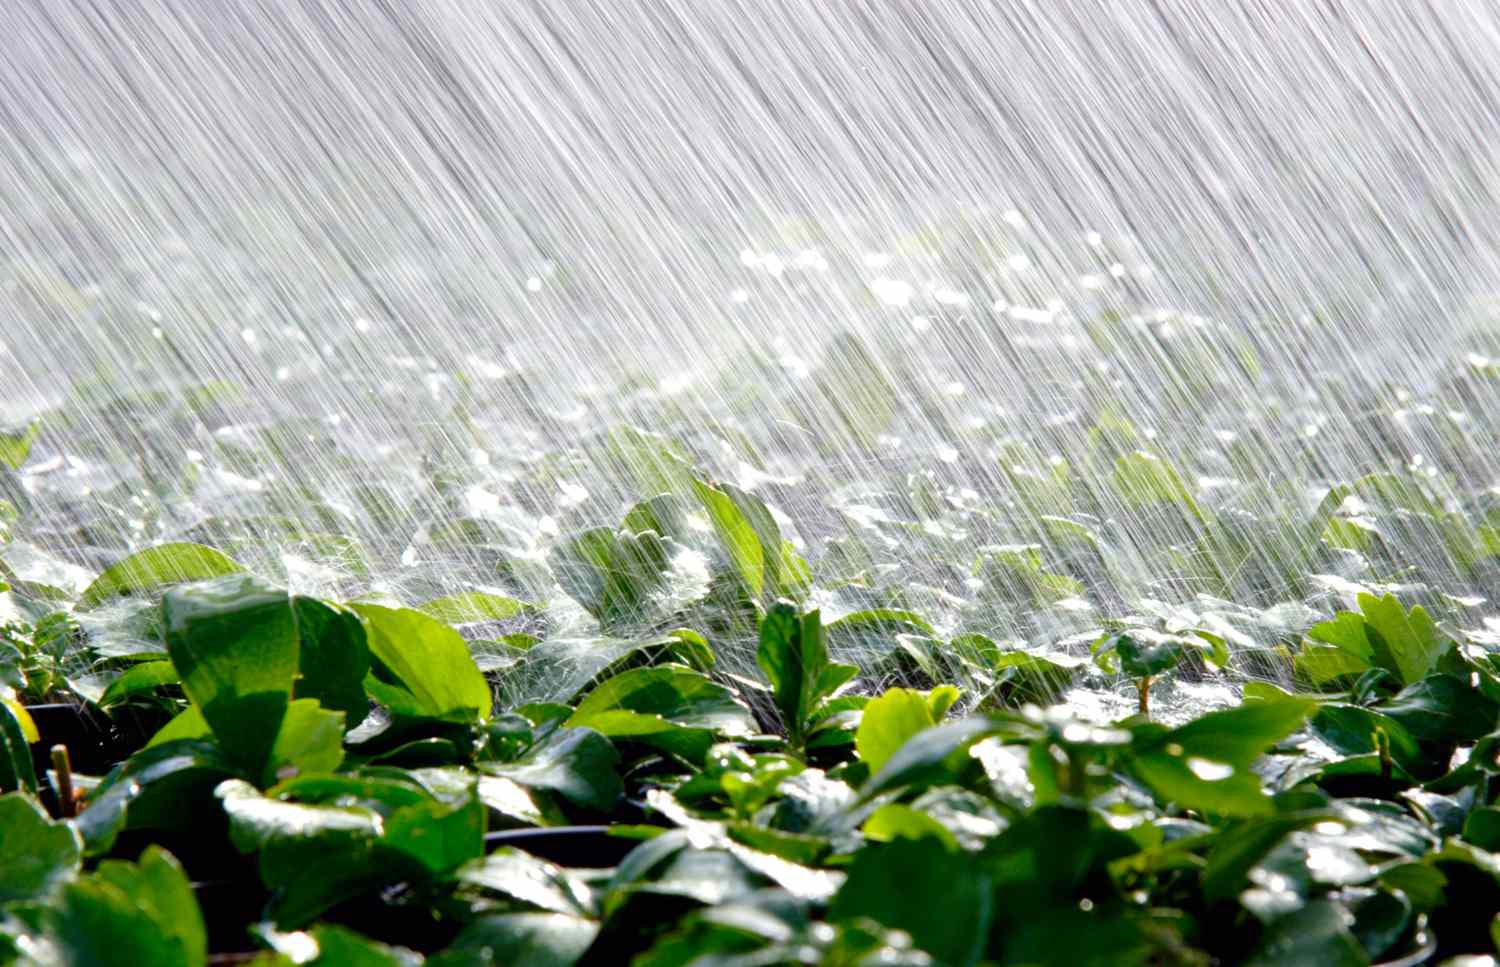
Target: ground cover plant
335	783
674	739
864	656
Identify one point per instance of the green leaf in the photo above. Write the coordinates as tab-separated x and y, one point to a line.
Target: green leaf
187	724
15	446
1380	920
794	657
678	694
576	763
139	678
1482	827
893	718
885	878
36	854
896	820
1443	708
1241	735
1144	479
1352	730
1100	937
531	880
9	516
1420	883
311	739
872	635
1405	642
1317	935
234	642
1205	764
256	819
1021	677
1320	664
385	816
160	787
1349	633
130	914
334	658
443	831
155	569
431	673
612	573
1141	656
520	940
1238	849
158	884
16	771
457	609
931	756
673	708
736	536
374	832
560	670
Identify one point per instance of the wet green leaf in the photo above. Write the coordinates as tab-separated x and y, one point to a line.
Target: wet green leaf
1317	935
794	657
577	763
155	569
334	658
15	445
1205	764
534	881
162	787
457	609
138	679
520	940
897	715
234	643
16	771
423	668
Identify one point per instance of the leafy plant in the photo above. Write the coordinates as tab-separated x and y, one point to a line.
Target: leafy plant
794	657
1145	654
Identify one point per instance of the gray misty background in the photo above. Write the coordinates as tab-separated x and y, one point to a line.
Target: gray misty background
244	163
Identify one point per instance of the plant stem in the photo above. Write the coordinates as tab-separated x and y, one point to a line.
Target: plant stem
1143	695
67	798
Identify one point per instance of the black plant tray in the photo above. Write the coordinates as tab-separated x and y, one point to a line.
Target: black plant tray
88	735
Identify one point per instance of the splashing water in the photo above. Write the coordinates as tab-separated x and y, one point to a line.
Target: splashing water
1032	319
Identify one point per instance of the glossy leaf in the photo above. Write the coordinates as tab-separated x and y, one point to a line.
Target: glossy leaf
521	940
893	718
155	569
576	763
234	643
1205	764
138	679
794	657
334	658
161	787
424	667
457	609
16	771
